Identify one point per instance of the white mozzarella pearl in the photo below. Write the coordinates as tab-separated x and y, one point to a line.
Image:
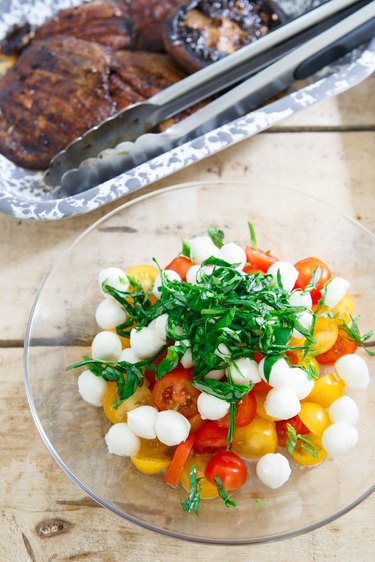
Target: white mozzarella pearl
202	248
273	470
279	374
169	274
106	346
211	407
300	298
160	326
187	360
109	314
92	388
145	342
334	291
244	370
215	374
339	439
299	383
142	421
191	274
171	427
344	409
122	441
305	319
115	277
282	403
288	274
129	356
353	370
222	351
233	253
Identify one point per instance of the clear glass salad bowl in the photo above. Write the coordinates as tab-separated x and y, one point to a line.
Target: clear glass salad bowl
62	325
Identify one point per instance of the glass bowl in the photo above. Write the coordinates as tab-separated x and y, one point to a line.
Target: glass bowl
62	325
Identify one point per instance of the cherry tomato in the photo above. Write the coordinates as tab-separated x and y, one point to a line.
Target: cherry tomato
179	459
258	356
208	490
144	274
261	411
180	265
282	429
210	439
149	374
196	422
246	410
314	417
344	309
327	389
302	456
141	397
229	467
258	260
325	333
306	268
174	390
342	346
261	386
256	439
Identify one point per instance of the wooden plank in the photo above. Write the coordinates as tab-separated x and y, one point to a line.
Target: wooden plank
45	517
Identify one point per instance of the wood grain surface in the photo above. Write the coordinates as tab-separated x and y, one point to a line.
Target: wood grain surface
327	150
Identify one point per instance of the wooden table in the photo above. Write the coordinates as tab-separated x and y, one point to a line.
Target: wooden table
327	150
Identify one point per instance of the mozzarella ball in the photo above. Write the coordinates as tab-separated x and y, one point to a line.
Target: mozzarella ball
169	274
273	470
288	274
129	356
300	298
353	370
142	421
216	374
279	374
211	407
344	409
244	370
305	319
191	274
222	351
233	254
92	388
171	427
160	326
282	403
299	382
115	277
334	291
339	439
145	342
202	248
109	314
187	360
106	346
122	441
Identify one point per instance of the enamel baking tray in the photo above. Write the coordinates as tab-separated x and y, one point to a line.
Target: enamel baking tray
21	191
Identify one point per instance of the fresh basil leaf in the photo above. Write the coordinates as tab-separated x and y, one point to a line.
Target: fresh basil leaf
216	235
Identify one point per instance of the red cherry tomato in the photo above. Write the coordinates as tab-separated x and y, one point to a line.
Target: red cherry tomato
210	438
261	386
306	269
149	374
246	410
258	260
229	467
341	347
258	356
180	265
174	390
282	430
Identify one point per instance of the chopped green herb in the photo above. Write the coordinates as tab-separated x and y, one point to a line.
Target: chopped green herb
217	236
253	238
353	334
223	493
313	280
195	488
305	440
259	503
186	250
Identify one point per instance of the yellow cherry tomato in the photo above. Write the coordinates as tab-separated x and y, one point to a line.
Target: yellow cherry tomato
304	457
152	457
153	448
314	417
260	409
344	309
125	342
325	332
256	439
208	490
327	389
145	275
141	397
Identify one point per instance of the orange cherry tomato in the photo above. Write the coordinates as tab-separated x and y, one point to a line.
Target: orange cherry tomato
246	410
342	346
229	467
261	411
180	265
306	269
325	333
314	417
258	260
175	390
327	389
282	429
172	476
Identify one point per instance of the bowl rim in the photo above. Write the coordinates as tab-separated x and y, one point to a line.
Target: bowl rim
44	436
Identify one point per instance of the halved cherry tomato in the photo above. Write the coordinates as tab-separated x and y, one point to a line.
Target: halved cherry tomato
344	309
341	347
304	457
144	274
174	390
141	397
258	260
246	410
258	356
208	490
314	417
261	386
229	467
210	439
256	439
196	422
282	429
306	269
172	476
325	331
327	389
180	265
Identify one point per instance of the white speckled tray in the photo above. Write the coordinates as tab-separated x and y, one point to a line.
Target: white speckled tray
21	194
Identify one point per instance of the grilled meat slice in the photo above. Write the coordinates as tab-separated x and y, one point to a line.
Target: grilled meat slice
58	88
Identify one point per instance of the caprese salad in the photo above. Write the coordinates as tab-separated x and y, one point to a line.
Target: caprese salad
225	356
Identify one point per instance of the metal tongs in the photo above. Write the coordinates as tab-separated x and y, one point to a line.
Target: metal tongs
294	51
